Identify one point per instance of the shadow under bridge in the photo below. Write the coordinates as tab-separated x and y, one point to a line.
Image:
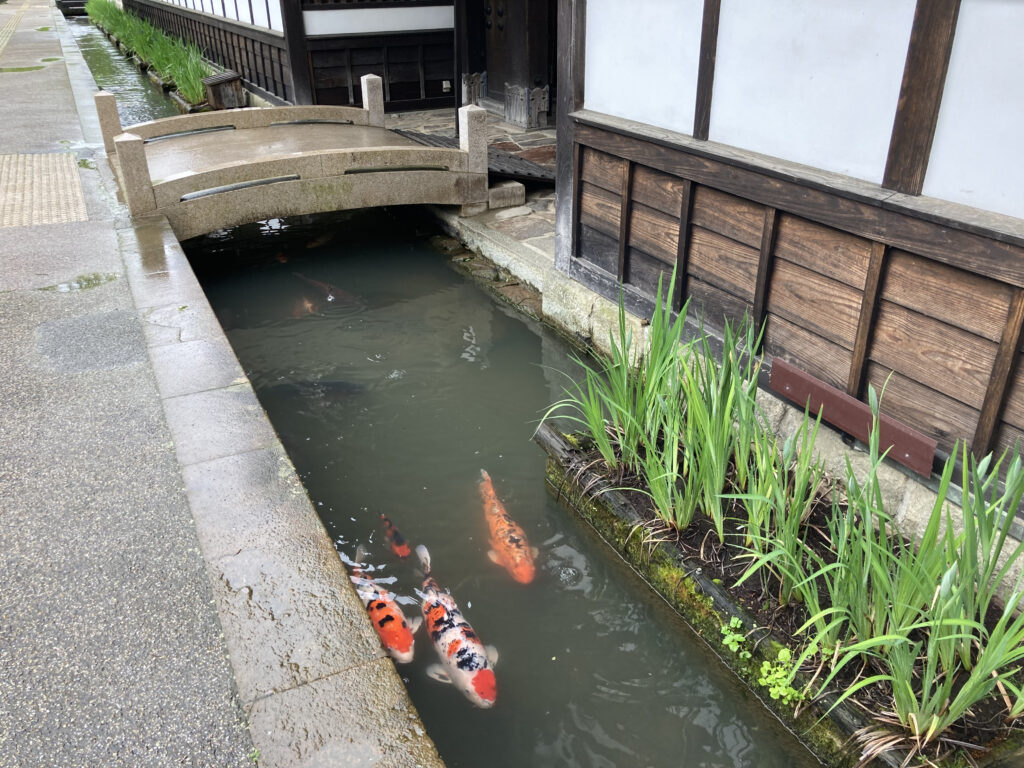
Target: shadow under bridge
211	170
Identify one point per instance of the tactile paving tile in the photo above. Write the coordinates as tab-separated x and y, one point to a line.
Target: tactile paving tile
7	31
40	189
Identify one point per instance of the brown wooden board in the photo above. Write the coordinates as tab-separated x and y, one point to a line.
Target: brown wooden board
935	354
602	170
811	200
940	417
728	215
658	190
808	351
823	306
959	298
713	306
599	209
904	445
868	310
828	251
654	232
599	249
645	269
724	263
1009	438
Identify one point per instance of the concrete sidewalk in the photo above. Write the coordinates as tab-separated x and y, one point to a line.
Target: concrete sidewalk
167	594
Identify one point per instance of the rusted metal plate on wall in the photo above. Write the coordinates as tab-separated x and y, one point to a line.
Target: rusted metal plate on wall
905	445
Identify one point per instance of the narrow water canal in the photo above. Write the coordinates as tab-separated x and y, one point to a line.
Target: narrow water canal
392	381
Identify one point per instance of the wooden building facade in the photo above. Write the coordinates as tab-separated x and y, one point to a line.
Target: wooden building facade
315	51
847	173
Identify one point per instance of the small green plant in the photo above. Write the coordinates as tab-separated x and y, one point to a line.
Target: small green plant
734	638
777	677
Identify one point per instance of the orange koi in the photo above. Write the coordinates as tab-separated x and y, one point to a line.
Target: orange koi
509	547
395	538
396	634
465	661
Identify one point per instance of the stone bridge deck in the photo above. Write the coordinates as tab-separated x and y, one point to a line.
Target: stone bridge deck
218	169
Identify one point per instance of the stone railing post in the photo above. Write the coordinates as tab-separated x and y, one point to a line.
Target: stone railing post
473	141
373	98
110	121
473	136
135	178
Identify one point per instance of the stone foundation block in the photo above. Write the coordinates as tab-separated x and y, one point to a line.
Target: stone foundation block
506	194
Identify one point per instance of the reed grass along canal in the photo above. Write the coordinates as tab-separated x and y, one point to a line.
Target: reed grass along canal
392	381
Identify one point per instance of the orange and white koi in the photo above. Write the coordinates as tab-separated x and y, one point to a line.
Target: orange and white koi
465	661
395	538
395	632
509	547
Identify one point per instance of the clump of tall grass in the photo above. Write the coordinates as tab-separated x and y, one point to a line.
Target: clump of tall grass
922	621
173	59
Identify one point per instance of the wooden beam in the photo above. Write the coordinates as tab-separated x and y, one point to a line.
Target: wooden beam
1002	370
905	445
764	266
572	43
298	56
706	68
625	201
683	247
917	111
976	253
868	307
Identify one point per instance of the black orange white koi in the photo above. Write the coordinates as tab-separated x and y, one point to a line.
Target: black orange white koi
396	633
465	661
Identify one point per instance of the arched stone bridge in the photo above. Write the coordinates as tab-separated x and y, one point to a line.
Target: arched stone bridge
211	170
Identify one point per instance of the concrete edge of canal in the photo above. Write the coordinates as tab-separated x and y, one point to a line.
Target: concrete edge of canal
311	675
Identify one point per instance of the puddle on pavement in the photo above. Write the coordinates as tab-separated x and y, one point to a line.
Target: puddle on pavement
392	381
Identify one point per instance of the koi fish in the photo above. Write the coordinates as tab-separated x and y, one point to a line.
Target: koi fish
395	538
509	547
303	308
389	621
465	661
323	239
330	292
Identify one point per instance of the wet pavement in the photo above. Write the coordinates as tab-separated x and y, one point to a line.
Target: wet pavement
168	595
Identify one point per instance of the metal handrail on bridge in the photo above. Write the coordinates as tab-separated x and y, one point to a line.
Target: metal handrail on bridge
224	194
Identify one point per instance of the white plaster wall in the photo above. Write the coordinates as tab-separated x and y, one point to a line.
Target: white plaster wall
366	21
262	13
977	155
811	81
641	60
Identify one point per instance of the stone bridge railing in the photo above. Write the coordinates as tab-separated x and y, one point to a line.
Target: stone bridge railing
197	201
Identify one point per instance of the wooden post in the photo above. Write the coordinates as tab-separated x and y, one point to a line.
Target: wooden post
625	200
110	121
135	178
764	266
295	47
868	307
683	244
572	25
917	111
1002	370
373	98
706	68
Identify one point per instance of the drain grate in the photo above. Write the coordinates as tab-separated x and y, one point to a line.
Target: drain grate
40	189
